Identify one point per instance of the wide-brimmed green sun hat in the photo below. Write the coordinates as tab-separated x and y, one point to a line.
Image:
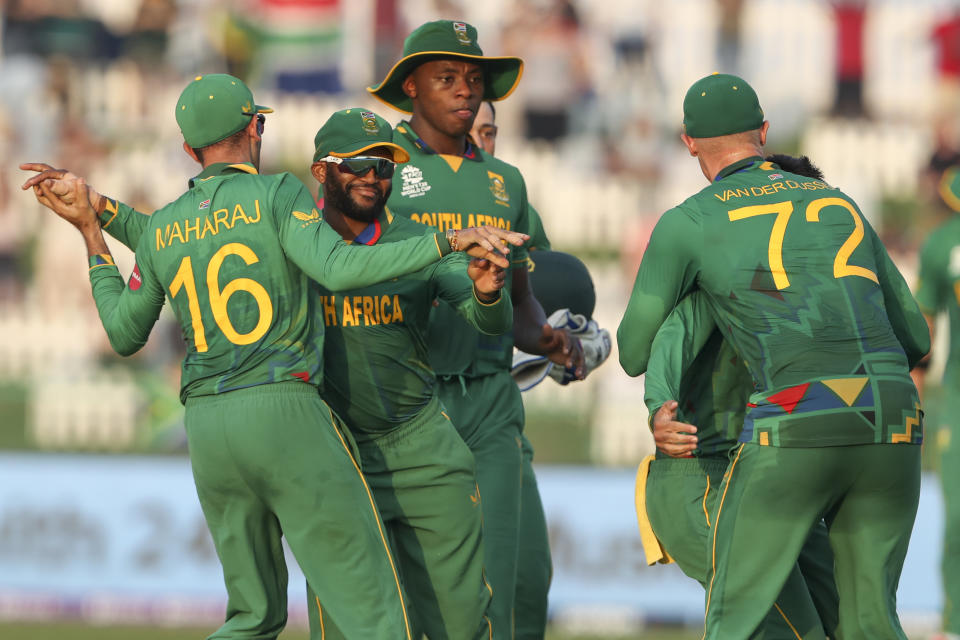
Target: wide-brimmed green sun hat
443	39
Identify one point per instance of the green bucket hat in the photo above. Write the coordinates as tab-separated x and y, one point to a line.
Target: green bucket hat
350	132
214	107
720	104
950	188
440	40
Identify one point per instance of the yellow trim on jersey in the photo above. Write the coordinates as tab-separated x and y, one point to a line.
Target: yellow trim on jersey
713	547
246	168
373	505
323	632
787	620
652	547
455	162
945	192
706	514
112	207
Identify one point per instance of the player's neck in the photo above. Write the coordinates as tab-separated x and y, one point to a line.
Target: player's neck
437	140
714	163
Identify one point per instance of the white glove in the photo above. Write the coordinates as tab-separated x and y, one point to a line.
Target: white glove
594	341
529	370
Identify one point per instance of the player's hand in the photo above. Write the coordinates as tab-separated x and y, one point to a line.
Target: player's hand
73	206
673	438
487	278
562	348
489	242
60	183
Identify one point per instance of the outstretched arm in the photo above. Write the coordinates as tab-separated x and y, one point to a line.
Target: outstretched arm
127	314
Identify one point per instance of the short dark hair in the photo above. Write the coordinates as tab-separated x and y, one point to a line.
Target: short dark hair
801	166
232	141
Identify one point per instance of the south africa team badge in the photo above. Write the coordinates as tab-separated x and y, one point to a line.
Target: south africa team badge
460	29
498	188
369	121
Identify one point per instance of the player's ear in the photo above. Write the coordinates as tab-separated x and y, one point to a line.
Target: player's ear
191	152
691	144
763	132
409	87
252	129
319	171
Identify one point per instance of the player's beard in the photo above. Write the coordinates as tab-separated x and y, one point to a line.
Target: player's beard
334	194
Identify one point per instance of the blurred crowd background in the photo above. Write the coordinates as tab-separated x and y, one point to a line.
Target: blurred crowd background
869	89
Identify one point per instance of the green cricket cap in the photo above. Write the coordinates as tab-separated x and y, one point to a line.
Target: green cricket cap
950	188
214	107
441	40
719	105
351	132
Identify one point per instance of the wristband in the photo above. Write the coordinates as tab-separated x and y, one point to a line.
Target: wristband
453	240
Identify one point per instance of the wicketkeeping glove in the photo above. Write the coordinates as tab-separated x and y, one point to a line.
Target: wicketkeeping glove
529	370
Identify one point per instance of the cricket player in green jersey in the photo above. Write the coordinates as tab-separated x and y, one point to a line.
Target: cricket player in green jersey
803	289
937	291
692	362
377	378
534	564
450	183
233	255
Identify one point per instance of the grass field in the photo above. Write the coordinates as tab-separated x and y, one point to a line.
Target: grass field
77	631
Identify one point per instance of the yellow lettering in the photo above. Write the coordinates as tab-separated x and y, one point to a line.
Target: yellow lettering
368	308
348	320
238	214
415	217
742	192
397	311
385	316
161	241
329	310
358	310
176	233
793	184
207	224
256	206
757	191
218	219
187	228
471	220
778	186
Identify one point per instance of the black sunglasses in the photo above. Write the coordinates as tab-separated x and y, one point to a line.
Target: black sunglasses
261	119
359	165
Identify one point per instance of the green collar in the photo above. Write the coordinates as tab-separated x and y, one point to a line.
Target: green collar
404	128
739	165
222	168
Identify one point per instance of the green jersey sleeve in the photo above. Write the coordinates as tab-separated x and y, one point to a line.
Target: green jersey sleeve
667	272
906	319
124	222
453	285
931	289
322	254
538	237
675	347
127	313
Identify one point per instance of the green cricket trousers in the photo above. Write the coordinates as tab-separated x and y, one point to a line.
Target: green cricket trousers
269	461
423	480
770	500
680	495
